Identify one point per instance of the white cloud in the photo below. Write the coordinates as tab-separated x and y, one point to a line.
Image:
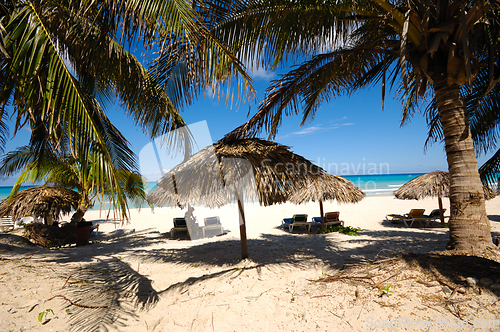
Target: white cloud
261	73
310	130
316	129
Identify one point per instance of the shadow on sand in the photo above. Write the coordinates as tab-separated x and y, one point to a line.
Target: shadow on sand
120	291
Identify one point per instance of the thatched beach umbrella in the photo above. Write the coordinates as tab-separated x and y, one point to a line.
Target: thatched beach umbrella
235	170
45	201
433	184
327	187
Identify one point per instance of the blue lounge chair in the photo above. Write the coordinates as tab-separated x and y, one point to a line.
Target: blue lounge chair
7	223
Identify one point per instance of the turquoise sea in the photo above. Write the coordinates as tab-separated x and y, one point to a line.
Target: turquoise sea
372	185
381	185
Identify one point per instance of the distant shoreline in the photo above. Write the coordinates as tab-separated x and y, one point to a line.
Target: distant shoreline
371	184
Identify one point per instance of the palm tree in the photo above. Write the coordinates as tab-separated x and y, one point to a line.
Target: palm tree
82	176
437	50
484	118
63	62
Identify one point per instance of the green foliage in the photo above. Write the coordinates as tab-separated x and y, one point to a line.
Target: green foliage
85	176
62	92
348	230
386	291
44	313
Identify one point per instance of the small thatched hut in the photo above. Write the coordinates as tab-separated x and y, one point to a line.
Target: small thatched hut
44	201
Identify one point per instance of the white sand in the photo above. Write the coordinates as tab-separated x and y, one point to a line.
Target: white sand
152	283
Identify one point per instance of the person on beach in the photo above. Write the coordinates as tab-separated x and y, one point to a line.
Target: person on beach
189	216
191	222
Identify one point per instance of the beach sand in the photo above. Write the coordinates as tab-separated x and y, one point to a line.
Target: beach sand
135	278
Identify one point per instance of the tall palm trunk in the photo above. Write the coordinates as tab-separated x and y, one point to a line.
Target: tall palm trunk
469	225
80	212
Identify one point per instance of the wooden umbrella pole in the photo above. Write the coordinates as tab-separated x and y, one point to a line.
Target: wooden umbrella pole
243	231
322	214
441	213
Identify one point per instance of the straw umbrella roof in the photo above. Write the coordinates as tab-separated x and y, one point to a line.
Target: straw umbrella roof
328	187
267	170
433	184
236	170
40	201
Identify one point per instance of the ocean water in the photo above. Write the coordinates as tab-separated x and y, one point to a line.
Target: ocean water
381	185
372	185
5	191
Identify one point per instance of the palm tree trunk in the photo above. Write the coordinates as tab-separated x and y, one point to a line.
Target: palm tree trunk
80	212
469	225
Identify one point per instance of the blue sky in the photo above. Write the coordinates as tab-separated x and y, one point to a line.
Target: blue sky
350	135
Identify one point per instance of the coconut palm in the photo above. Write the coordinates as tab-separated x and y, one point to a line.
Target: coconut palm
483	108
62	63
428	49
61	57
83	176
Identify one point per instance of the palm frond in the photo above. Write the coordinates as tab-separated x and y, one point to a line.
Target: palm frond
484	112
490	170
4	129
14	161
325	76
283	29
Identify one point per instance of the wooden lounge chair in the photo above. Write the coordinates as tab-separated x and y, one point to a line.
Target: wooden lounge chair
410	217
179	226
7	223
433	216
212	226
299	220
332	219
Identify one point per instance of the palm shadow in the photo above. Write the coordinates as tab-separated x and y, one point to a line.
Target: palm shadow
494	217
108	294
112	280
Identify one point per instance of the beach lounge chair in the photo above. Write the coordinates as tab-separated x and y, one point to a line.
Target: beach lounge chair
332	219
7	223
299	220
179	226
285	223
433	216
410	217
94	230
212	226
